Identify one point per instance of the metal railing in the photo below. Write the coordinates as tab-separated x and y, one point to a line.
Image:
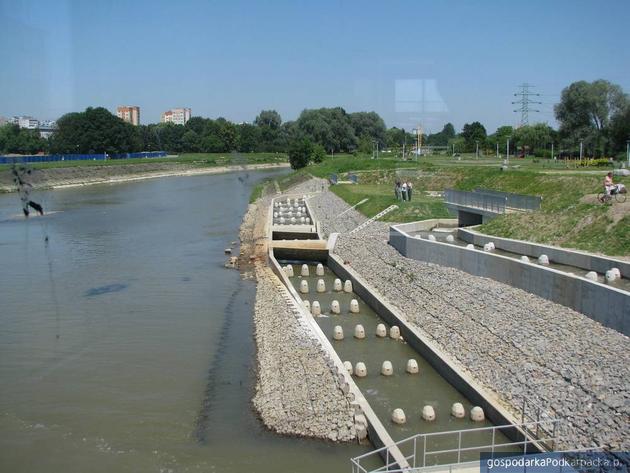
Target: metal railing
487	202
419	453
533	413
516	201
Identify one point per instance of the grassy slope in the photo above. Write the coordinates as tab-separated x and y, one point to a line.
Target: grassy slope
567	217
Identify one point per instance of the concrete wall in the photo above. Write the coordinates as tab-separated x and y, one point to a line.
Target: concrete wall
605	304
579	259
288	235
468	216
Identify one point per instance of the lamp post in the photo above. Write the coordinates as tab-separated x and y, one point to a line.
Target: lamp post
507	151
375	145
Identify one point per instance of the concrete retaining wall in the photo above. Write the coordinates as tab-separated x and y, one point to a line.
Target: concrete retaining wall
586	261
605	304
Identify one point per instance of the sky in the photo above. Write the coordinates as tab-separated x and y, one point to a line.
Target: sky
416	63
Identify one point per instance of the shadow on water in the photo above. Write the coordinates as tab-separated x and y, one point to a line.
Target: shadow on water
202	422
97	291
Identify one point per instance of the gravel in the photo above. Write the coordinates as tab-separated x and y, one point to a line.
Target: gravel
512	342
298	390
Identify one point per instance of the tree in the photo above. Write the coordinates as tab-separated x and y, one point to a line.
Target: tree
457	144
448	130
95	130
620	129
442	138
14	139
268	118
585	113
249	138
319	154
395	137
300	152
500	137
170	137
329	127
533	137
472	133
370	125
191	142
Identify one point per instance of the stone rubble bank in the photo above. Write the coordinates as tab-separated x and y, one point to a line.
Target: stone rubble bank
298	391
513	343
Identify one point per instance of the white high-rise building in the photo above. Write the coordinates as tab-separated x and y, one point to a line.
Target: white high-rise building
28	122
178	116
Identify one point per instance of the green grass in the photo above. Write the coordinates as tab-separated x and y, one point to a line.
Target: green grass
566	218
341	164
293	179
259	189
193	159
382	196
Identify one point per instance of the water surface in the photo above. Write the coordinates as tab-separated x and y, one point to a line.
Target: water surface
124	344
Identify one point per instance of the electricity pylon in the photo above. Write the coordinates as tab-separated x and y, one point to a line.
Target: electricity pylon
525	102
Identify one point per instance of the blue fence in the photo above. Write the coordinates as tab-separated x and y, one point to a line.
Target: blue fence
78	157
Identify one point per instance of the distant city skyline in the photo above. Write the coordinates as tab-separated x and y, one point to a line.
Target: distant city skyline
415	63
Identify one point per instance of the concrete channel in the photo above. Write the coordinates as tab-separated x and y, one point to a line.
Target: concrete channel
439	384
605	303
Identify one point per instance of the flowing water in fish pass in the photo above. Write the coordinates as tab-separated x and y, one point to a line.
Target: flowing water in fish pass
124	344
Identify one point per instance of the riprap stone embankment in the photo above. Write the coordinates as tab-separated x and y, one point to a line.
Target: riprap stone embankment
512	342
298	388
298	391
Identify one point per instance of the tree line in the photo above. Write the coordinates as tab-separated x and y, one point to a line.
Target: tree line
597	114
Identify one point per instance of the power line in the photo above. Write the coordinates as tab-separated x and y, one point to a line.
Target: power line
525	101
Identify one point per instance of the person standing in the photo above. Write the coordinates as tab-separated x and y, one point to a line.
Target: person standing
409	190
404	191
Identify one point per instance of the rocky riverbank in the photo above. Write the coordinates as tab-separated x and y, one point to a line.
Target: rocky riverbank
54	178
298	391
512	342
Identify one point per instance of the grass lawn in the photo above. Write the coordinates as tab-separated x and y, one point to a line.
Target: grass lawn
569	215
382	196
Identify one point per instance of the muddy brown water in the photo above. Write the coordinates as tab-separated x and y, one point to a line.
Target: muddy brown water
125	345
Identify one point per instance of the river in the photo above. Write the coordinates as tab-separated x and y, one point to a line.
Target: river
125	345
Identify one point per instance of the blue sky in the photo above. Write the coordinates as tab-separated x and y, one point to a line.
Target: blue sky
424	62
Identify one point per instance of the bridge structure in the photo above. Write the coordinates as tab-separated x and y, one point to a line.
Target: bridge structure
481	205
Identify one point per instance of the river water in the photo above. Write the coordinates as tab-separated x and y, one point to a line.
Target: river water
125	345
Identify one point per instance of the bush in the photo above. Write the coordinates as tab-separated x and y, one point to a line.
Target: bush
300	152
319	153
